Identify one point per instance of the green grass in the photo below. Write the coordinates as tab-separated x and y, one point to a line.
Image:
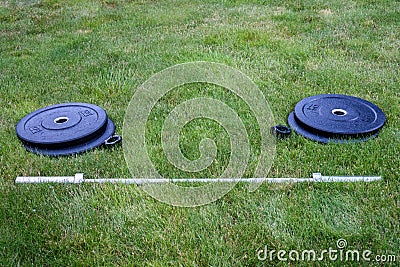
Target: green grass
101	51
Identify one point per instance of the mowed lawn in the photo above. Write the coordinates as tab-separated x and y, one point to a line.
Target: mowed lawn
101	51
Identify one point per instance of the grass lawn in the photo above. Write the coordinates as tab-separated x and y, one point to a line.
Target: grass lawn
101	51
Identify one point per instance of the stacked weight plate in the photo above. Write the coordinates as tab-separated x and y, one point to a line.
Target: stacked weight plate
336	118
65	129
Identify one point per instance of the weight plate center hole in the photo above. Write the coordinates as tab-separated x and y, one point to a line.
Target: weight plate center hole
61	120
339	112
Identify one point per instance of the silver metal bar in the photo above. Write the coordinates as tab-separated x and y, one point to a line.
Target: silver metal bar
78	178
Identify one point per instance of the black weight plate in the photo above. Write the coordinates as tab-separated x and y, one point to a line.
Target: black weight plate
74	149
62	124
323	137
340	114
